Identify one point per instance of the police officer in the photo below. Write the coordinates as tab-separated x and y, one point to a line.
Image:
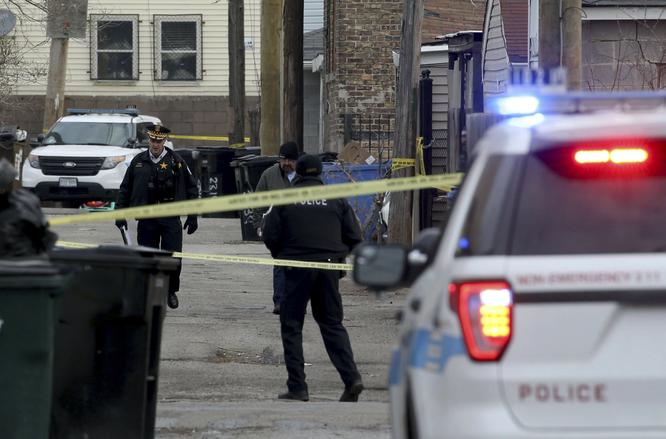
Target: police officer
322	231
159	175
278	176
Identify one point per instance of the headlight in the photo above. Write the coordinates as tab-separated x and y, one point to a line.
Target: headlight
34	161
112	162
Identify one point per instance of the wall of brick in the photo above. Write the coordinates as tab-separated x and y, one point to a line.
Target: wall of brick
185	115
360	74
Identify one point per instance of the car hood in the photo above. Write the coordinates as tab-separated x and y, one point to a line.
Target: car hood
83	151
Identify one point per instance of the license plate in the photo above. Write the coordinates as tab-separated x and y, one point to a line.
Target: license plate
68	182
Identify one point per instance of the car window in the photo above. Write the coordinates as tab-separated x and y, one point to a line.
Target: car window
565	207
88	133
487	224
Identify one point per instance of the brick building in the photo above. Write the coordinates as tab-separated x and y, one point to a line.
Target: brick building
360	76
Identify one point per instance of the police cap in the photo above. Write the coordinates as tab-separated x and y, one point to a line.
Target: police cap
308	165
157	131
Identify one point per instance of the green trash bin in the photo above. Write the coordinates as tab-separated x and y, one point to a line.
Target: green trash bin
107	341
28	290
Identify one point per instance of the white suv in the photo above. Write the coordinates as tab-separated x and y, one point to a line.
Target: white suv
85	154
540	310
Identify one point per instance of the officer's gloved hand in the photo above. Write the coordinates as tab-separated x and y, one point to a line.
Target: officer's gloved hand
191	224
121	223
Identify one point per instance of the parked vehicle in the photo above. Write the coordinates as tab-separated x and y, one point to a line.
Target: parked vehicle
84	156
538	311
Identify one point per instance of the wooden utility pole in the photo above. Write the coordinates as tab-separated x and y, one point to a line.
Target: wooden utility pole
400	216
271	66
54	104
572	36
292	109
236	71
549	34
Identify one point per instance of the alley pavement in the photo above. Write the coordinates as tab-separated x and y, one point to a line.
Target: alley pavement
221	362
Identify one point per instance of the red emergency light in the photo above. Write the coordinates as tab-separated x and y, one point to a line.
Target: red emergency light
618	156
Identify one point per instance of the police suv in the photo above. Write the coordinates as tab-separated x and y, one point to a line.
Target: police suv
85	154
540	310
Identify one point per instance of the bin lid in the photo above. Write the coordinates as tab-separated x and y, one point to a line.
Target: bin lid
27	267
255	160
118	255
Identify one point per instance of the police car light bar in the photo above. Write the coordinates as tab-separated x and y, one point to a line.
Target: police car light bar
79	111
514	105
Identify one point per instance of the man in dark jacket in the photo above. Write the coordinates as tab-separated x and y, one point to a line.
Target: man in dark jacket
157	176
24	231
278	176
321	231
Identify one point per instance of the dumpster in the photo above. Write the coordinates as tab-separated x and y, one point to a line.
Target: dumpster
366	207
28	290
107	341
247	172
217	176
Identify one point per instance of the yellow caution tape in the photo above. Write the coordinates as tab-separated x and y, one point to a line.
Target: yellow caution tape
236	259
265	199
212	138
401	163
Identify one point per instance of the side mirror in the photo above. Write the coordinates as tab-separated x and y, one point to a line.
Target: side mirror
380	267
423	252
40	138
132	142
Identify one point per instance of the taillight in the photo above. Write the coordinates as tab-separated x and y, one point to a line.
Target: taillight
617	156
485	310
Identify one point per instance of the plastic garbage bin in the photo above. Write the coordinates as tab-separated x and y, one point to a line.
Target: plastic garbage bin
107	341
28	290
247	172
366	207
217	176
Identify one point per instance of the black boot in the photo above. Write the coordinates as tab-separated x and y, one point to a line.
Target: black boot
351	392
172	301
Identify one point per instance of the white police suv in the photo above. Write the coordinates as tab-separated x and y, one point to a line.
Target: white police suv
85	154
540	310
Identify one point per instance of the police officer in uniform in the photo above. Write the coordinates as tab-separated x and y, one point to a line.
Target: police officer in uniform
159	175
320	231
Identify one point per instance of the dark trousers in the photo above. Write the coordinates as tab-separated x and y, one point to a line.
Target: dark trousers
278	284
321	287
165	234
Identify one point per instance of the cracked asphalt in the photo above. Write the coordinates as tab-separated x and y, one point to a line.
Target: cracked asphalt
221	363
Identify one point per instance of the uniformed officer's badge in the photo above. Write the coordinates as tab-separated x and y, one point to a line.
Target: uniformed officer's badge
138	165
163	165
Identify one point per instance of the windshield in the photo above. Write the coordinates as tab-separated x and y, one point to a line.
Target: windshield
88	133
558	206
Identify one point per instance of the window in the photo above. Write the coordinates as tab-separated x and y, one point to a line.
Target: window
178	47
114	47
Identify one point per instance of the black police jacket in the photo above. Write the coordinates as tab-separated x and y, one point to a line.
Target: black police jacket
319	230
148	183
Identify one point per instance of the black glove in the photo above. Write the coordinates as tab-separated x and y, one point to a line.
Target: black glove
121	223
191	224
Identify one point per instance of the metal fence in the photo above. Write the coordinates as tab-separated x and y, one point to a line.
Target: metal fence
374	133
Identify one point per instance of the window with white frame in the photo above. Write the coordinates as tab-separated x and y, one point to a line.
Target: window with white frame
178	47
114	51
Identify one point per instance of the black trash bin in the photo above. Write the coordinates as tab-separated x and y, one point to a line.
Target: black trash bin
217	176
7	139
28	290
107	341
247	172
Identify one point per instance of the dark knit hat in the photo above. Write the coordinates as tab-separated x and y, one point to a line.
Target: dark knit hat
289	151
308	166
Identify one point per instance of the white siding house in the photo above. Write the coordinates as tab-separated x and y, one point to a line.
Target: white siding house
150	35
